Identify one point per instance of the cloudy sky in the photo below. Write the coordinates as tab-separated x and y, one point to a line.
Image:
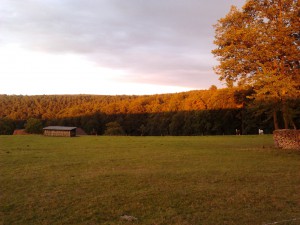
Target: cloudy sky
108	46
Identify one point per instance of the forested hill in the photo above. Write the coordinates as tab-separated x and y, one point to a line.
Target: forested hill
19	107
203	112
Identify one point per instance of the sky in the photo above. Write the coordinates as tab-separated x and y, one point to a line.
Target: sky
109	47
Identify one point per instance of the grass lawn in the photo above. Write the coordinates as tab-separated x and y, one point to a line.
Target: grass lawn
158	180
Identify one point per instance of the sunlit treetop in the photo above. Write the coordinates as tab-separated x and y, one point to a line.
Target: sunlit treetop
259	46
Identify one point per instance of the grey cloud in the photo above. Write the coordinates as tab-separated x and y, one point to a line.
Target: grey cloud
165	42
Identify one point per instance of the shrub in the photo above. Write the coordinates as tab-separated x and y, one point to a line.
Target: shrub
6	127
114	129
34	126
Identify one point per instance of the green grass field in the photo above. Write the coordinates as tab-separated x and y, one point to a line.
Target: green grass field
158	180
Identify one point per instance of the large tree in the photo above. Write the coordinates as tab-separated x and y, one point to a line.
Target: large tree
259	47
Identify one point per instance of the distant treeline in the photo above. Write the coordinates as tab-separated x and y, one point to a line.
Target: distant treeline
204	112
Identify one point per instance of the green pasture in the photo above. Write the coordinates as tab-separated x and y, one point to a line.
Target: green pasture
158	180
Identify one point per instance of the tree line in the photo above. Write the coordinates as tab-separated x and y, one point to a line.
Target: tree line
203	112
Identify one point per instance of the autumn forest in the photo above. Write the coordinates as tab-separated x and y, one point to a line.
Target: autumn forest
204	112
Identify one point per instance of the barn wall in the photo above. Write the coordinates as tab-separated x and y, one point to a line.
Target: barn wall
59	133
72	133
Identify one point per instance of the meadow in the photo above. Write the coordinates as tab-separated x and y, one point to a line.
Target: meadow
158	180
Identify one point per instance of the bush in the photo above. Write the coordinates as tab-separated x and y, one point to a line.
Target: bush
6	127
114	129
34	126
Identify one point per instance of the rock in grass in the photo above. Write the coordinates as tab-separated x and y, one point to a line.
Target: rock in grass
128	218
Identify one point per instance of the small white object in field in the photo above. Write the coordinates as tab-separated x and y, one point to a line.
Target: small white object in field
128	218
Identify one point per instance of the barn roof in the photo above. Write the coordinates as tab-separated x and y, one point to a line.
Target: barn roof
59	128
20	132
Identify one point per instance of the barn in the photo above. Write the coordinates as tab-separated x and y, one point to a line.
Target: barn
20	132
60	131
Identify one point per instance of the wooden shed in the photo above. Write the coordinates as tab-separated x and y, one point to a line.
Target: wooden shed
60	131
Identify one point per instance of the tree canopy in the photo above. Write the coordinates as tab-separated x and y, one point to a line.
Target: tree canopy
258	47
203	112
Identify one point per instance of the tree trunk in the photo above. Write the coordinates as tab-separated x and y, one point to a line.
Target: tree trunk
285	117
286	121
275	119
242	119
294	125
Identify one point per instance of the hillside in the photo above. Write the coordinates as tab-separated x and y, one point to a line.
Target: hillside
18	107
202	112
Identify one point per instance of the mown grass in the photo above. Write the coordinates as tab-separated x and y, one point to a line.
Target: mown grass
159	180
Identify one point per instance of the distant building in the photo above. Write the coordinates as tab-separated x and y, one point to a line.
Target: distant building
60	131
20	132
80	132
